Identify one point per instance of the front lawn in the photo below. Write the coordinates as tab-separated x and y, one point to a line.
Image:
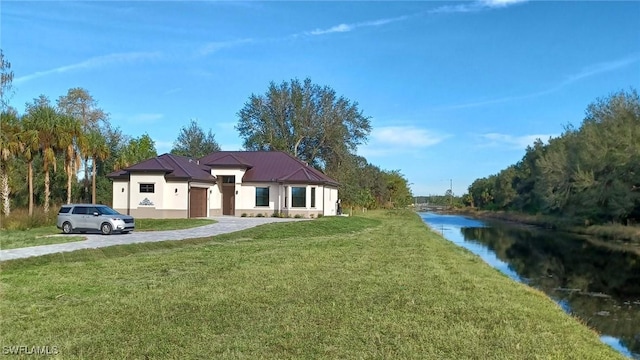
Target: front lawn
381	286
45	235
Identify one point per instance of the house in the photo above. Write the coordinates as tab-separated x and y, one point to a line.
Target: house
223	183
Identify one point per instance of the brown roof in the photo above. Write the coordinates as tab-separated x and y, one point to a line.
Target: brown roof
175	167
262	166
268	166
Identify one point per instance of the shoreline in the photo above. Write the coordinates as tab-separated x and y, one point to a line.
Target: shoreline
611	233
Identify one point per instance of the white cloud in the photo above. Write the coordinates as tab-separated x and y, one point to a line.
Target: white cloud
476	6
406	136
92	63
514	142
349	27
392	140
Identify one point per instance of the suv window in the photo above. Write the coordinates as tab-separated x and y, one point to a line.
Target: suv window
81	210
64	210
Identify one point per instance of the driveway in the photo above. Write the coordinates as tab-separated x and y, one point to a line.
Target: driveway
93	241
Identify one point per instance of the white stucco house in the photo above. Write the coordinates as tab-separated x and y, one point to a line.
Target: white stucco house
223	183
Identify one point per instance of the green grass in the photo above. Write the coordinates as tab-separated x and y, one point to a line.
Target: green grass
380	286
170	224
45	235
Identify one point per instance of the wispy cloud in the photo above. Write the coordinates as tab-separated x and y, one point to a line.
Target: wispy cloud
388	140
340	28
475	6
589	71
511	141
215	46
92	63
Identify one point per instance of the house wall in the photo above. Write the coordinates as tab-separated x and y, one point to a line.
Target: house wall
169	199
326	198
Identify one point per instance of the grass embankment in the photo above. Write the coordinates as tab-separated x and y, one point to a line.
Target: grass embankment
608	231
49	234
383	286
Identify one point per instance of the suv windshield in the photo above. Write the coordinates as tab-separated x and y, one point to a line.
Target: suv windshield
105	210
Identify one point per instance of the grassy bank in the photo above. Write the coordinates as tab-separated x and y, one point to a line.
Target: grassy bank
383	286
609	231
26	236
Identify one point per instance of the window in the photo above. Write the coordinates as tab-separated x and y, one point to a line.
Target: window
228	179
298	197
79	210
147	188
64	210
262	196
313	197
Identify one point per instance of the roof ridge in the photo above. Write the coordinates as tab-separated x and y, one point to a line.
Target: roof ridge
179	165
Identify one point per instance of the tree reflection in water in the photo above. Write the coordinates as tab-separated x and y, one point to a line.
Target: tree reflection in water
598	284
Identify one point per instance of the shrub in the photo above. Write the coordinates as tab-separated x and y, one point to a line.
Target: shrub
311	216
275	214
298	216
259	215
243	215
320	215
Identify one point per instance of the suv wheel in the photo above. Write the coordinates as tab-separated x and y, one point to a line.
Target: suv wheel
67	228
105	228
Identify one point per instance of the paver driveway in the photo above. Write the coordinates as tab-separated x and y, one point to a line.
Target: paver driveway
93	241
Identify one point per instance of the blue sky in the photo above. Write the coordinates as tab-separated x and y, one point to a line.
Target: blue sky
455	90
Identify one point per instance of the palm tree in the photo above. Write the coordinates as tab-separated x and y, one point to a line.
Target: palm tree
70	141
44	120
10	146
98	150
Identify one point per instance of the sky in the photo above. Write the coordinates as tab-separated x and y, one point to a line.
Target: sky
455	91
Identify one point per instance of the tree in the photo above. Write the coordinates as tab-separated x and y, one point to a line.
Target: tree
98	150
306	120
79	104
10	146
192	142
44	120
71	140
6	80
135	151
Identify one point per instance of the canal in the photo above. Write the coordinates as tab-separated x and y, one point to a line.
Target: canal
598	284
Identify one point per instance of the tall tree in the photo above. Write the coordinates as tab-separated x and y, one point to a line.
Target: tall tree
10	146
71	140
6	81
44	119
82	106
98	150
192	142
306	120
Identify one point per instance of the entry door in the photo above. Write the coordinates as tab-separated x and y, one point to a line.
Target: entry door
228	200
197	202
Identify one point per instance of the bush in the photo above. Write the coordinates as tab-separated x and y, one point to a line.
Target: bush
298	216
243	215
311	216
259	215
275	214
320	215
19	219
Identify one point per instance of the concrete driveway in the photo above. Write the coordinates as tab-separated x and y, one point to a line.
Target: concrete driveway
93	241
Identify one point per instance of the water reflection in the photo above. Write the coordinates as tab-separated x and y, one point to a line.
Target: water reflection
599	285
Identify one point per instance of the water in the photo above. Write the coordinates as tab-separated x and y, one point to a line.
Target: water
596	283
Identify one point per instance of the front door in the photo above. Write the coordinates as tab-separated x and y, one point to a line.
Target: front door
228	200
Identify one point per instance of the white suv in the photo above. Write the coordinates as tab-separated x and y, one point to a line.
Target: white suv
92	217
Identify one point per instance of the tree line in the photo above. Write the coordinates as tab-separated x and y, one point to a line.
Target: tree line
75	135
590	173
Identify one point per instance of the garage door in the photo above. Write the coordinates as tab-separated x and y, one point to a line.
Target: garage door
198	202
